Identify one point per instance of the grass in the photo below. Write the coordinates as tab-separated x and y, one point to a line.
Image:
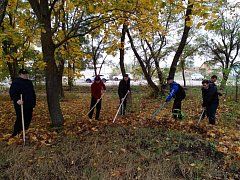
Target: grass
130	149
116	153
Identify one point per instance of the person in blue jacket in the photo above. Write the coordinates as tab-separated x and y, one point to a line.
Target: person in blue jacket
22	85
177	92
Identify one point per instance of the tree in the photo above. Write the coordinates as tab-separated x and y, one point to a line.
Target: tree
183	41
224	45
17	37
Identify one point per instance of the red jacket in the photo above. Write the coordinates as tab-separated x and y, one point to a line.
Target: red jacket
96	89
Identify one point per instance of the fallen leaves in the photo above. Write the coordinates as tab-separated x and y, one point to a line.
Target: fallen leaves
226	138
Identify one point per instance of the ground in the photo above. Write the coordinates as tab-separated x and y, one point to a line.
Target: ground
134	147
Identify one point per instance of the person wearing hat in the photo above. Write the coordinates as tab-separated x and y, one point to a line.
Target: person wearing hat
123	88
177	92
22	85
97	90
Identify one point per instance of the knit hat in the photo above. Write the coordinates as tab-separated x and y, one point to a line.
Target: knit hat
97	78
23	71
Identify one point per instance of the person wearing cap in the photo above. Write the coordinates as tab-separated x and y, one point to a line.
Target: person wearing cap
123	89
22	85
177	92
97	90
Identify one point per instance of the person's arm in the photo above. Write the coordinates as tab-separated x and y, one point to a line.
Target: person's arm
120	89
204	98
14	92
34	95
172	93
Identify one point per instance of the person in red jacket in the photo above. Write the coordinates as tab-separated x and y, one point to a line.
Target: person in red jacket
97	90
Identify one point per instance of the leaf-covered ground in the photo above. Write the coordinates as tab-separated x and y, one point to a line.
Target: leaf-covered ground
184	149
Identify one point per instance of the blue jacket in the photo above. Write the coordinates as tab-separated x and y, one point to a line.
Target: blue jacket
173	90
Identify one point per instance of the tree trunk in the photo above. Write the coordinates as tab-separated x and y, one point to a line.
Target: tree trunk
183	75
182	42
53	85
236	97
3	6
225	78
122	49
144	69
70	78
60	75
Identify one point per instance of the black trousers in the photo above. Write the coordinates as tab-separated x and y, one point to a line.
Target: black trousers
123	107
27	111
98	108
211	113
176	109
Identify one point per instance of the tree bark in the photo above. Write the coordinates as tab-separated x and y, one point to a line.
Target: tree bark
182	42
225	78
144	69
122	49
3	6
53	80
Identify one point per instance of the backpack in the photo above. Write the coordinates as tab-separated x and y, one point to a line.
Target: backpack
181	92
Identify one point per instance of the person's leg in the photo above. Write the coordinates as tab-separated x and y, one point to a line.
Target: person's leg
98	109
93	102
27	117
176	109
212	114
124	106
18	123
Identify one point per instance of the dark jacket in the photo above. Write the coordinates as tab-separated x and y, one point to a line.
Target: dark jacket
96	89
210	96
123	88
213	84
24	87
176	91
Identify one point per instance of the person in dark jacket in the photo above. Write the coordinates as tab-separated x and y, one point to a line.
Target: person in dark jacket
97	90
123	89
177	92
22	85
210	100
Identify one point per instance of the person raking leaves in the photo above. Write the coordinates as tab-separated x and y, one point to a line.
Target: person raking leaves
98	88
22	86
178	93
210	100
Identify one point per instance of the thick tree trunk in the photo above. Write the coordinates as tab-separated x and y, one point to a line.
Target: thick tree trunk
53	85
182	42
70	78
144	69
60	75
122	49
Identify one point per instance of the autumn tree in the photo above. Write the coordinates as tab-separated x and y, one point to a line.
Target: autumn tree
224	45
82	19
17	38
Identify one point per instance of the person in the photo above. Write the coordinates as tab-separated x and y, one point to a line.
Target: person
210	100
22	85
97	90
123	89
177	92
212	82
